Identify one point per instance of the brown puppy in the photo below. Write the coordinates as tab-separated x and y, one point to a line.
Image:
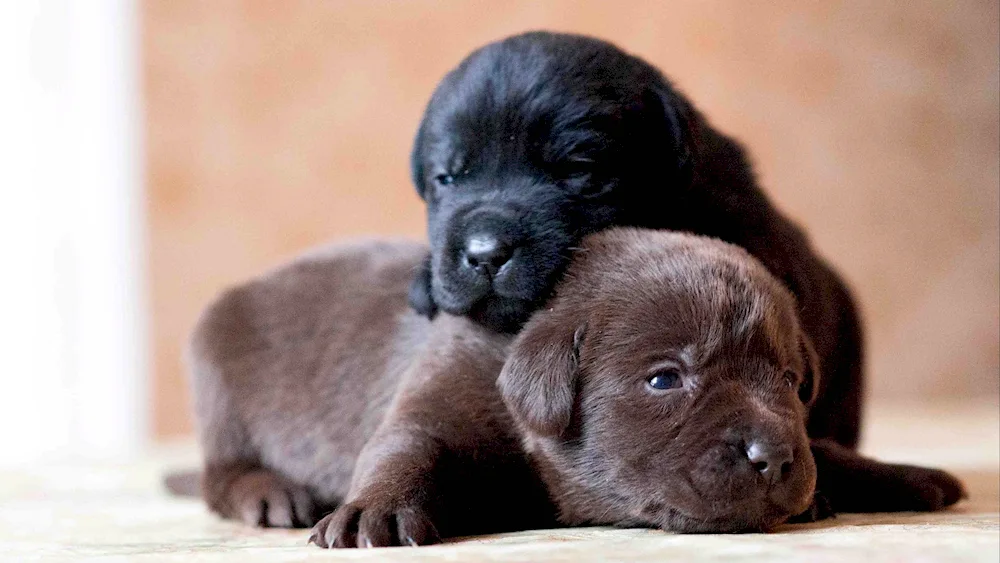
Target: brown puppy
666	384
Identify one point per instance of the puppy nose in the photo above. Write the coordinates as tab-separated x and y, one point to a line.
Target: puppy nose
773	461
486	253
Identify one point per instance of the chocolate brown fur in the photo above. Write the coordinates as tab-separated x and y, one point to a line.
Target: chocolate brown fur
295	372
317	388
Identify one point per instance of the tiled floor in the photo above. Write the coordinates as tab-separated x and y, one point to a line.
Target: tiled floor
118	512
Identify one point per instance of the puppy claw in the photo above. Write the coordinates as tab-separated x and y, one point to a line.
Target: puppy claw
369	525
414	527
261	498
253	512
278	512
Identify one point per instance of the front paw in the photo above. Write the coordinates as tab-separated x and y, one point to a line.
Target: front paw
375	523
923	489
858	484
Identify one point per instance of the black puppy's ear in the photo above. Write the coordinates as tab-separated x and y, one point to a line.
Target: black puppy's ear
417	160
538	382
676	118
419	295
811	374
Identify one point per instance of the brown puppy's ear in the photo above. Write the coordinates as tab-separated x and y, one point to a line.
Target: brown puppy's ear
811	374
538	382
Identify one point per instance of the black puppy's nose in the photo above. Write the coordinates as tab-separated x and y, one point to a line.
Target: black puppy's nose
773	461
486	253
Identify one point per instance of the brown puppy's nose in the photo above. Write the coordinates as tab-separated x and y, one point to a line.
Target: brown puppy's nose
486	253
773	461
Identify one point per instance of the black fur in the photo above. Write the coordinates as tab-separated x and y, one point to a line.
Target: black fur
542	138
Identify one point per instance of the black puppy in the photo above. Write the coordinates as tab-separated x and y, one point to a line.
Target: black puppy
539	139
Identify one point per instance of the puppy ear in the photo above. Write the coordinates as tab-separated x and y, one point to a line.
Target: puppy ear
417	161
419	296
538	382
676	117
811	374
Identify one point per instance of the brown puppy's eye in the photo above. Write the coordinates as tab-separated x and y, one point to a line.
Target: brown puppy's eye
791	379
444	179
666	379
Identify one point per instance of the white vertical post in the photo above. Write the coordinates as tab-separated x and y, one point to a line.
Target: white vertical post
73	377
111	339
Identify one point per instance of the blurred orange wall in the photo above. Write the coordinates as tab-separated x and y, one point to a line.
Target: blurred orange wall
273	126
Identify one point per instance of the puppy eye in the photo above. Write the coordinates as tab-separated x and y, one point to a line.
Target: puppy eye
666	379
574	169
577	166
791	379
444	179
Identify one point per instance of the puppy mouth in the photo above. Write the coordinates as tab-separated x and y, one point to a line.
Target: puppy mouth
460	299
758	521
754	512
511	291
501	313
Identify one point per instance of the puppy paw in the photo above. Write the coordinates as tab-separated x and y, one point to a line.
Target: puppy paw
261	498
854	483
924	489
375	524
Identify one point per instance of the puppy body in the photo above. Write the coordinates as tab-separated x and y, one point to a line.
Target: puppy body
537	140
293	373
317	388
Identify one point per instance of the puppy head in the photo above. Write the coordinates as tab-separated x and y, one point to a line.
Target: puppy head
667	384
528	145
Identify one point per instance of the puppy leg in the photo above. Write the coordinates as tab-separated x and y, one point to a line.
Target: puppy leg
837	412
853	483
411	478
390	499
234	483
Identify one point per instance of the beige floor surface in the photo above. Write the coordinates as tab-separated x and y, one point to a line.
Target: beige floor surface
93	511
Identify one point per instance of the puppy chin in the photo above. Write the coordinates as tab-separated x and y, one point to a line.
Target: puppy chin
758	514
768	518
459	298
479	302
502	314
